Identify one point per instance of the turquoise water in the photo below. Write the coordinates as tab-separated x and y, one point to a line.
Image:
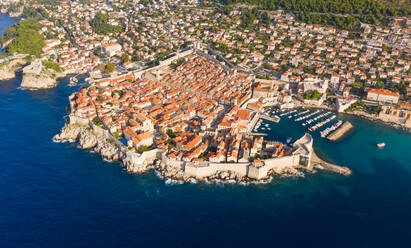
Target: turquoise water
56	195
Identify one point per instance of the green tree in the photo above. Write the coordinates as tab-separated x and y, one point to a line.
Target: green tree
109	68
170	133
142	149
315	94
125	58
48	64
24	37
97	121
100	24
379	85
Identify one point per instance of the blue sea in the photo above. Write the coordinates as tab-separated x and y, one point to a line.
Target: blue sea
56	195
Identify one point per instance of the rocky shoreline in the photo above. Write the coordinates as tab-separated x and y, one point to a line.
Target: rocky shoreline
6	11
375	118
8	69
47	79
89	140
174	174
6	73
223	178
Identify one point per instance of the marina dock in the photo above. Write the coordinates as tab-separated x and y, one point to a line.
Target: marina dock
315	160
259	116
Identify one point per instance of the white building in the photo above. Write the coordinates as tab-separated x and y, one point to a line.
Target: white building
383	95
111	49
344	103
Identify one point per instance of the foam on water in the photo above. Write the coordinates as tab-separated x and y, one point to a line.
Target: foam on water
158	174
192	181
170	181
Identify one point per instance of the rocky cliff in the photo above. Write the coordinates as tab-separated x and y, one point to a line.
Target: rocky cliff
8	69
87	139
14	14
46	79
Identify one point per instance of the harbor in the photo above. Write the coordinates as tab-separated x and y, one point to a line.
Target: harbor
319	122
258	120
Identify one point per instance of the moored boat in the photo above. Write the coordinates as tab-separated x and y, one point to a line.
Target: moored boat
381	145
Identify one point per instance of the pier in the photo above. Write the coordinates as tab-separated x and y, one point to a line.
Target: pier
315	160
259	116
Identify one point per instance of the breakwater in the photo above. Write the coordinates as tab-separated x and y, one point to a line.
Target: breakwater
316	160
341	131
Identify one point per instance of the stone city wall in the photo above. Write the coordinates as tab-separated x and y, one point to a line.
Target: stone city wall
139	74
276	164
138	163
239	169
78	120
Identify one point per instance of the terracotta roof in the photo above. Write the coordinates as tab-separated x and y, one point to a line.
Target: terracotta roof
384	92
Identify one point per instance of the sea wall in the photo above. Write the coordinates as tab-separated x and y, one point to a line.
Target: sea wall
171	162
87	122
132	161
